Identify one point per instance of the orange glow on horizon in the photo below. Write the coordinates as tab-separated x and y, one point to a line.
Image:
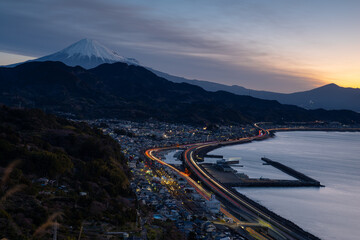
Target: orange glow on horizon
343	76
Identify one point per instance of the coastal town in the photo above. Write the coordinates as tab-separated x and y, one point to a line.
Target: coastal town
140	180
167	199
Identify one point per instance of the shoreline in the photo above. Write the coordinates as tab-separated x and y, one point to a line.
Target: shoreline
313	130
271	133
236	199
268	134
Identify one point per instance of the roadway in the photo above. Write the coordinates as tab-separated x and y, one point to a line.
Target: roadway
232	203
249	211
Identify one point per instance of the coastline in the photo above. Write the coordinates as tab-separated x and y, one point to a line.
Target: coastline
314	129
270	134
207	147
332	158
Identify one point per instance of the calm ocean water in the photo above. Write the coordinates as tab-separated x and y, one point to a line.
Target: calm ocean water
333	158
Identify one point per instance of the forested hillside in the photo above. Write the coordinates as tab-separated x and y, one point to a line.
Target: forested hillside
56	171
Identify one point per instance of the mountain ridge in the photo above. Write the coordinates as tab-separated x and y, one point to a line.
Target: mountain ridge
132	92
89	54
329	97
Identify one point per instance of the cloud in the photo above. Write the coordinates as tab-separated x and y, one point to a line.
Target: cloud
39	21
176	45
9	58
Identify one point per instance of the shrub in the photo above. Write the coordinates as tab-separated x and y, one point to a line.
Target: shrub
49	164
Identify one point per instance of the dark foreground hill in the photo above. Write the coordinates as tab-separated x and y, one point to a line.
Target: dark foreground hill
133	92
52	170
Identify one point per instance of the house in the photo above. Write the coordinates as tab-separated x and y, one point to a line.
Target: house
213	205
188	226
42	181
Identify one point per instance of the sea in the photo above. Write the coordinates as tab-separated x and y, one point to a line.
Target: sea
333	158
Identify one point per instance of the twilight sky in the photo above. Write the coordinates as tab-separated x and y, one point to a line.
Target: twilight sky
278	45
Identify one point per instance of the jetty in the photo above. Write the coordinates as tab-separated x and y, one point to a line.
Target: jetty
229	177
300	176
213	156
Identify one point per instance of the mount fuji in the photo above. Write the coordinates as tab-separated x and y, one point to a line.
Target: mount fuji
87	53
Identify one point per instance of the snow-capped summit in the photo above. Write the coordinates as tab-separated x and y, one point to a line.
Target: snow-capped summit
87	53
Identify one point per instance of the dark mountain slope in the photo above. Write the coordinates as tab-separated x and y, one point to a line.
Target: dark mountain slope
89	53
46	84
133	92
328	97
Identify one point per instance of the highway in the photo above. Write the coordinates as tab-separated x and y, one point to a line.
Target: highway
150	154
251	213
232	202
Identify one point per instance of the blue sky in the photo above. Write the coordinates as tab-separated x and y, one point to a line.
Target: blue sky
273	45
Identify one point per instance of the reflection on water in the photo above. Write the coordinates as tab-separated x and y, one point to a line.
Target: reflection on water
333	158
171	157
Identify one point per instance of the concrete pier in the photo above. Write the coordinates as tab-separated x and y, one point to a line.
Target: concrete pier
213	156
300	176
232	179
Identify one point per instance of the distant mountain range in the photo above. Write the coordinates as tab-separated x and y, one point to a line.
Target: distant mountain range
89	53
135	93
328	97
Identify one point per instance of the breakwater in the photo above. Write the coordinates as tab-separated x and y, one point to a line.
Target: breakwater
232	179
302	177
239	205
213	156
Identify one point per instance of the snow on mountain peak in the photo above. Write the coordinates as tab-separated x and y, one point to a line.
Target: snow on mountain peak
87	53
90	47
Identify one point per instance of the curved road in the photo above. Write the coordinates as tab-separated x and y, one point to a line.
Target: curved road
283	231
249	211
